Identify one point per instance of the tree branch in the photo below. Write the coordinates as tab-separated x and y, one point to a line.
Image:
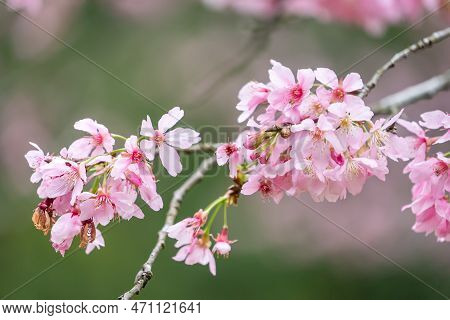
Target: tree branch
145	273
424	90
427	42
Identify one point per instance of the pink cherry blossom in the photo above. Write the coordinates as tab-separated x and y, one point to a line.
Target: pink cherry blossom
341	91
429	194
267	187
185	230
64	230
98	142
132	155
36	159
286	91
166	142
146	184
102	206
197	252
251	96
229	152
312	106
323	143
223	245
372	15
60	177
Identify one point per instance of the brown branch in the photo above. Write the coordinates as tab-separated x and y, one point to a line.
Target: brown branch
424	90
145	273
427	42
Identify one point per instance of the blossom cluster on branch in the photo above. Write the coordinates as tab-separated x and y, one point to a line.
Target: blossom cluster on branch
312	134
91	183
308	132
372	15
429	174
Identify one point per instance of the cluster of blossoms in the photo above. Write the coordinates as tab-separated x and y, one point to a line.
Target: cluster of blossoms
91	183
309	132
312	134
308	136
373	15
429	174
194	238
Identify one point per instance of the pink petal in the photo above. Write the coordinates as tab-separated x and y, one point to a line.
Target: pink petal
327	77
352	82
307	124
444	138
251	186
182	138
131	144
147	127
80	148
433	119
168	120
412	127
149	149
280	76
182	254
88	125
170	159
306	78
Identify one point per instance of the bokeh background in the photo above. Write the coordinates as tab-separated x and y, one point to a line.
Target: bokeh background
181	53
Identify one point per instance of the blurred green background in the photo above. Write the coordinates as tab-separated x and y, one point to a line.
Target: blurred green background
172	52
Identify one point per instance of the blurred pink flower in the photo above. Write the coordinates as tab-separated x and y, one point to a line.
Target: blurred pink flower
31	7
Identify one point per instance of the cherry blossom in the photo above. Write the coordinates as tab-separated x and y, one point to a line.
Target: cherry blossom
98	142
341	90
187	229
286	90
166	141
223	245
230	153
251	96
108	201
65	229
60	177
197	251
429	175
372	15
305	133
36	159
132	155
90	184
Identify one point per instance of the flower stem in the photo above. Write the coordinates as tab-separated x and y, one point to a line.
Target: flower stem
215	203
225	218
213	217
118	136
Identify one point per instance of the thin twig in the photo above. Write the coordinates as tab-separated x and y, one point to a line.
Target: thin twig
421	44
145	273
424	90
